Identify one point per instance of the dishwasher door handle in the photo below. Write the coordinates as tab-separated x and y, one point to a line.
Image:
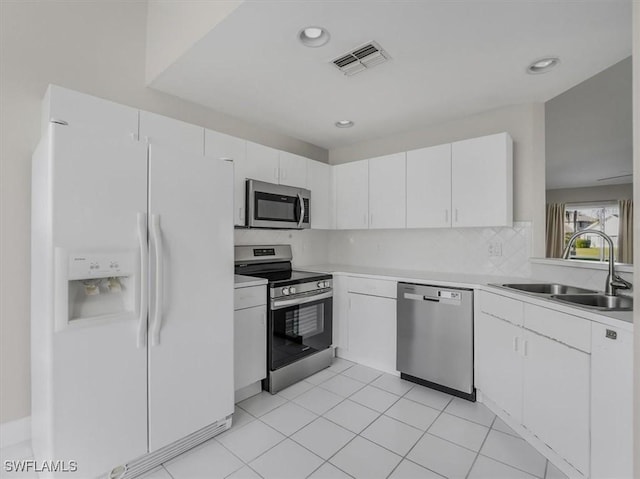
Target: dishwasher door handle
420	297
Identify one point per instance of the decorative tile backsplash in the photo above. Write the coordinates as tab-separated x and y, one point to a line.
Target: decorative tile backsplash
494	251
499	251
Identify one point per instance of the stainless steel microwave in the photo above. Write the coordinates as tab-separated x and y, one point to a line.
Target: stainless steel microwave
277	206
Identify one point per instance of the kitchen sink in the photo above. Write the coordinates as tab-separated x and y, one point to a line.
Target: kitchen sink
548	288
597	301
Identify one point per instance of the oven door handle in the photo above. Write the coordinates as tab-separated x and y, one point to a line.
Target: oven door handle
283	303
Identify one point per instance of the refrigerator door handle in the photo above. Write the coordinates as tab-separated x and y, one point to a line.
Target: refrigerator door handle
144	278
156	323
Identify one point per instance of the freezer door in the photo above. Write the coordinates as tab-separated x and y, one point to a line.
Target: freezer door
435	335
191	308
91	375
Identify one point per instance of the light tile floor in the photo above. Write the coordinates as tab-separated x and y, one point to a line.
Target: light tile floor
353	421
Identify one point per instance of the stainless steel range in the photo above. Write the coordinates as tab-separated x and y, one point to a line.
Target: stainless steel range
299	311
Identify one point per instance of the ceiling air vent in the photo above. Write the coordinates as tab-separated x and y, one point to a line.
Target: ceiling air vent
366	56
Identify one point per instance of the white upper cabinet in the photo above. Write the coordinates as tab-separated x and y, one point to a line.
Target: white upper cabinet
262	163
86	112
165	131
320	182
482	181
224	147
352	195
429	187
293	170
387	191
227	147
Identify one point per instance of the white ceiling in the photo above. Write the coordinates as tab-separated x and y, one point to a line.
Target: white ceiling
449	59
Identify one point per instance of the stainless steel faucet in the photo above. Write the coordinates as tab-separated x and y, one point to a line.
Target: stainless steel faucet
614	282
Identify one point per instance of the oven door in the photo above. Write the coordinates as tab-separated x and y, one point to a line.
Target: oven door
277	206
298	330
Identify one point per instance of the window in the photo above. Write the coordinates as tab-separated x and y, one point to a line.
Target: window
584	217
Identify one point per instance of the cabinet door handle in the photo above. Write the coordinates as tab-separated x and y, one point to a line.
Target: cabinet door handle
515	344
456	217
446	216
525	348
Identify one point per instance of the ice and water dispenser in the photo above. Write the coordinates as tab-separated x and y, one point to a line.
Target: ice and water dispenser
94	286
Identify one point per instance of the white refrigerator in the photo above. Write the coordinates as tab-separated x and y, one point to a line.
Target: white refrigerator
132	301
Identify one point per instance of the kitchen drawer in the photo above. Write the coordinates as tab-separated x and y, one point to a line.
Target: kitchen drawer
501	307
249	297
566	328
373	287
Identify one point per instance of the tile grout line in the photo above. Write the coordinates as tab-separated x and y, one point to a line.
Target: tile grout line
167	471
546	467
289	436
420	439
379	414
359	434
481	446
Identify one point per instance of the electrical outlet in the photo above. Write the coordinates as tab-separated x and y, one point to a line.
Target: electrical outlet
495	248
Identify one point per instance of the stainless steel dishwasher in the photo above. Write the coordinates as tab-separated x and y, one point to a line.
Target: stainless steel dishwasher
435	338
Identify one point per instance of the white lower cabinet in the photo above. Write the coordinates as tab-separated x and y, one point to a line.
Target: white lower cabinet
611	402
498	363
364	321
372	331
250	336
560	376
556	397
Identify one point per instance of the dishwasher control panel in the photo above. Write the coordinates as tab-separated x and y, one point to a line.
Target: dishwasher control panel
450	295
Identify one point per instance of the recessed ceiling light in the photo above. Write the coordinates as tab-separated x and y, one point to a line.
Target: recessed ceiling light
344	124
543	65
313	36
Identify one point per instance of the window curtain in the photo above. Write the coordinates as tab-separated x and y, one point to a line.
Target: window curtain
555	230
625	232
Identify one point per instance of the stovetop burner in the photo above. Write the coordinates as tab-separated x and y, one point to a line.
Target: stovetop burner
285	278
272	263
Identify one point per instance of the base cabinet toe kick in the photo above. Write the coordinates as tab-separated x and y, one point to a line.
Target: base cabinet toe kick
563	382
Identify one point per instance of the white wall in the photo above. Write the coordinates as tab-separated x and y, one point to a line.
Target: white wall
590	193
95	47
588	130
173	28
525	124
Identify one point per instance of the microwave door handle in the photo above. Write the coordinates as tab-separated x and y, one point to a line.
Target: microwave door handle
302	211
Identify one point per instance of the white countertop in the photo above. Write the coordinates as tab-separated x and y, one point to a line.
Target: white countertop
445	279
622	319
241	281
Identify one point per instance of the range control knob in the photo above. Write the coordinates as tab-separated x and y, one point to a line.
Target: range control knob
285	291
321	284
292	290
